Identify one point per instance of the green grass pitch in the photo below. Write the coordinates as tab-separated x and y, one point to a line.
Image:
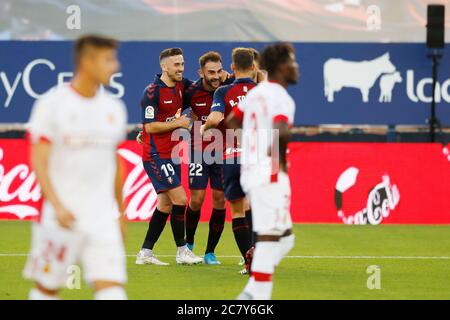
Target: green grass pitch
328	262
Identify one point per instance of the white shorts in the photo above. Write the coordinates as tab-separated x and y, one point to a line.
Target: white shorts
270	205
55	252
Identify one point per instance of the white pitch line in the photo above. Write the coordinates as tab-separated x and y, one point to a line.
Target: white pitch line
289	257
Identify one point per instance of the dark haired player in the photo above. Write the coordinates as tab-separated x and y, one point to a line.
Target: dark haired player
199	97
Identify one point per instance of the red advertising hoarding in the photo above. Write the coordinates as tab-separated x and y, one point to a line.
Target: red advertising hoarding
352	183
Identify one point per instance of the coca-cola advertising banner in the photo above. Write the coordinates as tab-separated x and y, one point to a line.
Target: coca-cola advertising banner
350	183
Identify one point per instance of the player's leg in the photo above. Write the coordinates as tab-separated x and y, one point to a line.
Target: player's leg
179	201
217	219
104	262
193	212
248	217
287	240
109	290
259	286
163	176
53	250
236	197
155	228
269	205
198	181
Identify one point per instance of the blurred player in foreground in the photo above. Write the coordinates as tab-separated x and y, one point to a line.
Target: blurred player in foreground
75	130
266	116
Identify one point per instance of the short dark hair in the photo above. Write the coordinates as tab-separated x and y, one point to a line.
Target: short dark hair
170	52
242	58
92	40
274	55
209	56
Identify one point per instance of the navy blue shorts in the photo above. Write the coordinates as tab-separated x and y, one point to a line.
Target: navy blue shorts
163	173
232	183
200	172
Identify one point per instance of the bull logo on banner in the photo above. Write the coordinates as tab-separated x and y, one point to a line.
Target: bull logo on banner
362	75
381	200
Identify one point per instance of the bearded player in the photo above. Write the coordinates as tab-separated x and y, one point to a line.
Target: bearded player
225	99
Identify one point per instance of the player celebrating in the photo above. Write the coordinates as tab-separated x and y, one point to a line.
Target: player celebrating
225	98
75	130
267	114
199	97
161	104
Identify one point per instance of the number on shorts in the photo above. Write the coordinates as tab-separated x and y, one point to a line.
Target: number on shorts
195	169
168	169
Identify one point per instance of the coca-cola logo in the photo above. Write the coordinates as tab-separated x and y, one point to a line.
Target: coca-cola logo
381	200
18	190
20	194
138	191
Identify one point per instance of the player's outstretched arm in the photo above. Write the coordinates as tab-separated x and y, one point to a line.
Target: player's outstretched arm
40	152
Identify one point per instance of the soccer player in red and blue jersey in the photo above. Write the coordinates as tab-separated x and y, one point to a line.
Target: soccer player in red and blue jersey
225	99
199	97
162	103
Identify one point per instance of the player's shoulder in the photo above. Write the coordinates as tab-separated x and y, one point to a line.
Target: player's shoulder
193	87
54	96
112	102
222	90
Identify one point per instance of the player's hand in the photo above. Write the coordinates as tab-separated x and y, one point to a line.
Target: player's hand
183	122
139	138
194	117
178	114
65	218
224	75
202	129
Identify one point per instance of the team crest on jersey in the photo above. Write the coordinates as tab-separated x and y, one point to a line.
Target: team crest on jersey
170	180
245	89
149	112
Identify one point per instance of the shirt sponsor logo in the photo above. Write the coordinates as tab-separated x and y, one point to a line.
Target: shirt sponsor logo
200	104
167	101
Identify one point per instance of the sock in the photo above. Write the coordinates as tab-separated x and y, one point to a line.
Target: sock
36	294
263	266
241	234
177	223
155	227
216	225
252	235
285	245
111	293
192	219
